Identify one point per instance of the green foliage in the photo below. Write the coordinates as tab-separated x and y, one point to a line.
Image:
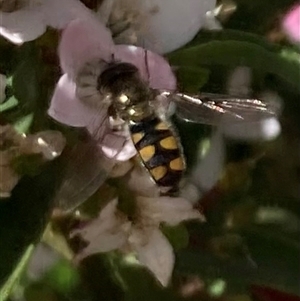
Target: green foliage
8	104
23	124
26	82
136	281
274	248
28	164
233	35
238	53
192	78
62	277
24	215
178	236
7	287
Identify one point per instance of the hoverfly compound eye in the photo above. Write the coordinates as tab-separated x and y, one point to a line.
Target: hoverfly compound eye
123	99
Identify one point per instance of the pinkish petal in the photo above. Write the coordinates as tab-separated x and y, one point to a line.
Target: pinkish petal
291	23
83	41
118	147
65	107
153	67
161	74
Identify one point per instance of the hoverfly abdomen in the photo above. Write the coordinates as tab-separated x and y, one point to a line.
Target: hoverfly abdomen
160	151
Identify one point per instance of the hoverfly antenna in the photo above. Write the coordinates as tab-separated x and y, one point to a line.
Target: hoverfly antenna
147	65
113	59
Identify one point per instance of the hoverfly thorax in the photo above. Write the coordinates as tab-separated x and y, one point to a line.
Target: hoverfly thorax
130	95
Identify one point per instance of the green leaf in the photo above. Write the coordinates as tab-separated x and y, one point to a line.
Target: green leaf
8	104
6	289
191	79
62	277
205	36
23	124
178	236
26	81
28	164
40	291
24	215
137	282
236	53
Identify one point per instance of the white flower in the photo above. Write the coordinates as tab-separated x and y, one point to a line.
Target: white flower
2	87
112	230
30	18
206	174
161	26
87	45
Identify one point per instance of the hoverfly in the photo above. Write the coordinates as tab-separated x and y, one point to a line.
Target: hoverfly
153	135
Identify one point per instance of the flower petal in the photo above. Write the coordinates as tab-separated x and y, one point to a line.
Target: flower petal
162	35
291	24
190	192
83	41
105	233
65	107
58	13
153	67
157	254
170	210
141	183
239	82
113	143
206	174
264	130
23	25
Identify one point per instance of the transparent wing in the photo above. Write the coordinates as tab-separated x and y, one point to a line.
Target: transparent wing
214	109
86	167
84	173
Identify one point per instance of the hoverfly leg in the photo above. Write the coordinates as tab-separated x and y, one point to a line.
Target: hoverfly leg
116	123
113	59
147	65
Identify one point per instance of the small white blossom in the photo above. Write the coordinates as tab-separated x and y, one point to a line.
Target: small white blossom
206	174
26	20
112	230
161	26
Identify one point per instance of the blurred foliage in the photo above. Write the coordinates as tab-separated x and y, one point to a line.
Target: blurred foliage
253	213
236	53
